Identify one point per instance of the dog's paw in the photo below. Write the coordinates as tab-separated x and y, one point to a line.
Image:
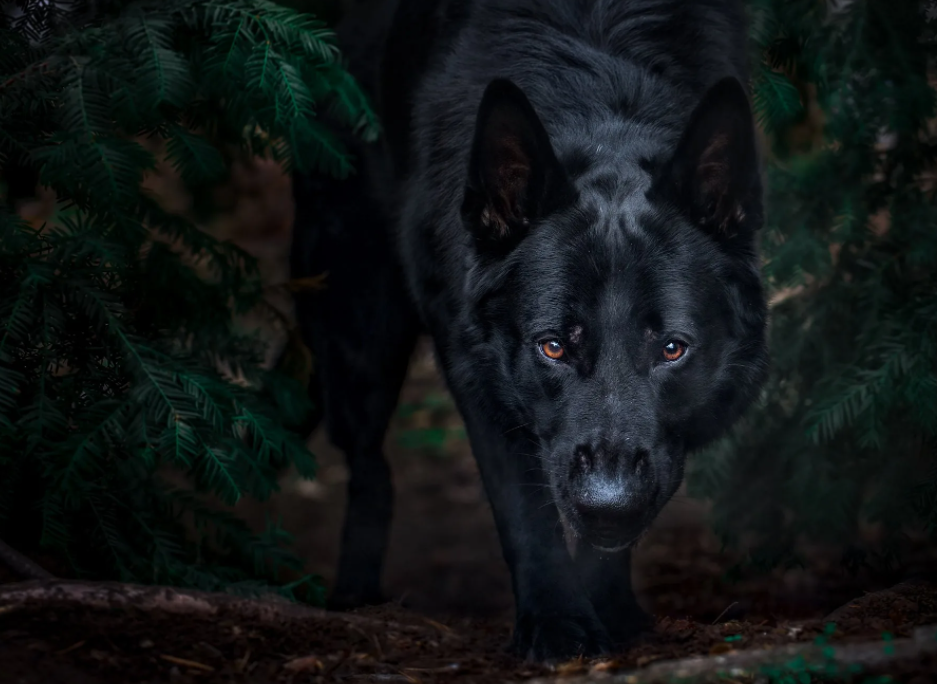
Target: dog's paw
552	638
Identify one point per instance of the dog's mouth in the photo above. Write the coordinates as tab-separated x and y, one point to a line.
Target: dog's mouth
613	540
614	549
614	544
606	539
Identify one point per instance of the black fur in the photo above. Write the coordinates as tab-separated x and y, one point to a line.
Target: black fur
576	171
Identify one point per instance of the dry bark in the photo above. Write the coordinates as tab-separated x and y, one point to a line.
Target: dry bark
156	599
20	565
274	610
752	663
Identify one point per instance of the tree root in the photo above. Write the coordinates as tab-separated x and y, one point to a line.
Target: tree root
21	565
272	609
276	611
902	598
755	663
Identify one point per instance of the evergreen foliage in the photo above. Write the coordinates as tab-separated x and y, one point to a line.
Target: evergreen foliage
845	431
118	348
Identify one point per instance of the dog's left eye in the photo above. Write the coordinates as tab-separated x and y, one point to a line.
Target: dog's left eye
552	349
673	350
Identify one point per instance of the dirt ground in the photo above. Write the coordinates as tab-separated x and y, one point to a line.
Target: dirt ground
51	645
444	571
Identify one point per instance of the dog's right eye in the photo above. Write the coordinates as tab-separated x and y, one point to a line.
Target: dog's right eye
552	349
674	350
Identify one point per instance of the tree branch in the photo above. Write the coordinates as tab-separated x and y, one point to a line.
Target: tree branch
751	663
21	565
271	609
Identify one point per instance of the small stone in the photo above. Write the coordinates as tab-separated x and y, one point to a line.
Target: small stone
720	648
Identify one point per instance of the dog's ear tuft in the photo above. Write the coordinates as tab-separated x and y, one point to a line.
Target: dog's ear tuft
714	175
514	176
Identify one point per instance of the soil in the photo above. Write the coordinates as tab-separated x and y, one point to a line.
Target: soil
444	571
53	643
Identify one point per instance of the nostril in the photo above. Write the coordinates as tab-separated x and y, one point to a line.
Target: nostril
641	458
583	459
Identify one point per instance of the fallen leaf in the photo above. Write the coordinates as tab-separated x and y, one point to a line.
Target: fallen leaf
607	666
303	664
572	667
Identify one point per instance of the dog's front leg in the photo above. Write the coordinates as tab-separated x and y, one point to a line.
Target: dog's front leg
555	619
607	580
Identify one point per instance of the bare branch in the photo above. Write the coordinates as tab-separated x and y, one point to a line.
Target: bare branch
21	565
749	663
107	595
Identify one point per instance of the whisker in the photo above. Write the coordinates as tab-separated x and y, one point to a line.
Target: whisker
518	427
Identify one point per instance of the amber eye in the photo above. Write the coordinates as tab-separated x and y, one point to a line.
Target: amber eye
552	349
673	350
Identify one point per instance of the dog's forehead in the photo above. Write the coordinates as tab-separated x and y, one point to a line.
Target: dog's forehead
629	267
616	256
614	242
615	199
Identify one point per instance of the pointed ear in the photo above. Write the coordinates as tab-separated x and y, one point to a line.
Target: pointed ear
714	174
514	176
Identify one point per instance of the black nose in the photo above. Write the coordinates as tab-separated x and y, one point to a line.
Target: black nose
610	490
600	458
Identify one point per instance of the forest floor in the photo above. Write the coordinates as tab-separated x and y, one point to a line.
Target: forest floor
451	610
451	614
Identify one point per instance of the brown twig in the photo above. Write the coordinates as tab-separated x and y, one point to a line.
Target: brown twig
41	67
727	609
21	565
315	283
185	662
749	663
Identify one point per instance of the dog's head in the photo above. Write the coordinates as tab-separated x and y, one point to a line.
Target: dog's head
622	306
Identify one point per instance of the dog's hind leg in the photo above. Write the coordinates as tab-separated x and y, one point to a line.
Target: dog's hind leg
362	329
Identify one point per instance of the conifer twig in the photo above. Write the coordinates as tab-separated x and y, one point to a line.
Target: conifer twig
21	565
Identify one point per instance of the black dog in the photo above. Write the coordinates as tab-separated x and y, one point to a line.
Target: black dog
566	200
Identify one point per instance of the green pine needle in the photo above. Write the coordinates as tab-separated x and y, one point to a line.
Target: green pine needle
112	343
846	430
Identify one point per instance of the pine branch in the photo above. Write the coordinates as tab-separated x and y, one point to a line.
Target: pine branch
116	317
